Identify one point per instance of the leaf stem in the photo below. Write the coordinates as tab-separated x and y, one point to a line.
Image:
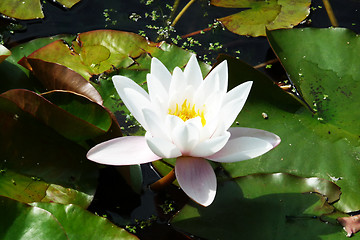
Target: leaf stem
174	8
266	63
182	12
330	13
196	32
164	181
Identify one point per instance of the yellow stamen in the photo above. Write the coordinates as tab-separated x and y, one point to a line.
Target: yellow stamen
187	112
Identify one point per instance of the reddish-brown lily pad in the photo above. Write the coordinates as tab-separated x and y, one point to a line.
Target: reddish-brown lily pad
77	118
54	76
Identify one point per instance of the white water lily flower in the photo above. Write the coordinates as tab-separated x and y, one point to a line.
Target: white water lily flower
187	118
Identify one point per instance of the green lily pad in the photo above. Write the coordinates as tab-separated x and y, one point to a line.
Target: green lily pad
22	221
81	224
28	9
45	221
20	187
310	147
322	63
4	53
261	15
68	3
263	206
29	189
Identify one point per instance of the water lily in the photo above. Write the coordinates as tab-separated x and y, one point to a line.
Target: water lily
188	118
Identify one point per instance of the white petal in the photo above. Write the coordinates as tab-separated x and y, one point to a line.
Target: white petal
206	89
246	143
134	97
186	135
177	81
172	121
192	72
122	151
221	71
162	147
210	146
159	71
157	92
234	102
155	124
197	179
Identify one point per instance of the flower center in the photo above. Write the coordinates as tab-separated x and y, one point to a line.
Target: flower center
187	112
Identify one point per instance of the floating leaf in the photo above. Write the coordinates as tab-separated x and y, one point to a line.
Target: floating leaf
57	77
258	206
81	224
22	221
25	9
68	3
20	187
28	9
259	15
29	189
311	146
322	64
45	221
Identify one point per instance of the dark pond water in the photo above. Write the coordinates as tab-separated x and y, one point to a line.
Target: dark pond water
109	14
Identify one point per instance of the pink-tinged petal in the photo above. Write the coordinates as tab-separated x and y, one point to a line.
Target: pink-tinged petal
234	102
186	135
220	70
122	151
134	97
246	143
162	147
210	146
159	71
197	179
192	73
